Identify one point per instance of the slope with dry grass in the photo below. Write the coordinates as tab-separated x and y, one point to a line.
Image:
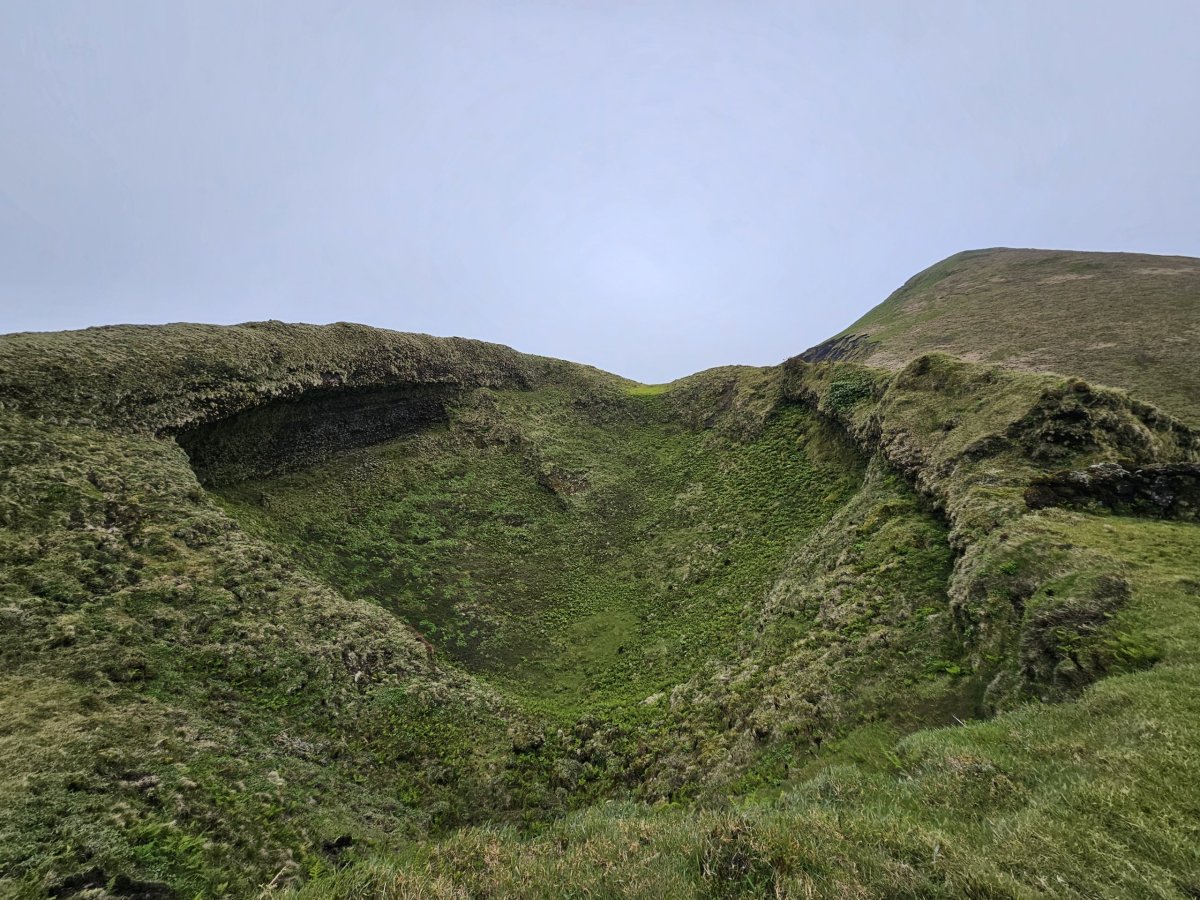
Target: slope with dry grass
1127	320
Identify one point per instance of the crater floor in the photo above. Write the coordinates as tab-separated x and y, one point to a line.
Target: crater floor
582	563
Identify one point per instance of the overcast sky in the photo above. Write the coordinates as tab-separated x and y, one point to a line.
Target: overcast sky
653	187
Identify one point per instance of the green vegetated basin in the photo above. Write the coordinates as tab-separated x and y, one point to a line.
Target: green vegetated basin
580	561
687	639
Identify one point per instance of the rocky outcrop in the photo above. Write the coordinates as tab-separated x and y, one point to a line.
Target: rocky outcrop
1170	491
287	434
848	347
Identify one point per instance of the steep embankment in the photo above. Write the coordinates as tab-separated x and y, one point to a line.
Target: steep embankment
189	708
1084	798
1123	319
291	606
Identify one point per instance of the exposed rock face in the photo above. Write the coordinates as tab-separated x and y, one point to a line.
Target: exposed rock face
1170	491
849	347
285	434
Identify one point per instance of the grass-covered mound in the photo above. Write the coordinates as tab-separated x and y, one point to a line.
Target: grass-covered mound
1125	319
355	613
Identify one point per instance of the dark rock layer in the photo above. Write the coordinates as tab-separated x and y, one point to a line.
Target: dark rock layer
849	347
1170	491
288	434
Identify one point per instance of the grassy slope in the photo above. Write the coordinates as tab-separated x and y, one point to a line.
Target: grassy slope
194	709
600	596
178	696
208	694
165	377
1123	319
1092	798
1086	798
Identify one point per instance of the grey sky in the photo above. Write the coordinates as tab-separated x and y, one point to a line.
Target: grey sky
653	187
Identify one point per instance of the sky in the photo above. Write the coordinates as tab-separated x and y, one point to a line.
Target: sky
652	187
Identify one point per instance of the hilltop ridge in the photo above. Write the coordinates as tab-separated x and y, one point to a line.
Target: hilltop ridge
1128	320
334	611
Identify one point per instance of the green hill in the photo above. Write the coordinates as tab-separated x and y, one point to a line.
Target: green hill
1124	319
341	612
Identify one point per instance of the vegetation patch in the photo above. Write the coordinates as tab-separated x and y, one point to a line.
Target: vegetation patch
333	612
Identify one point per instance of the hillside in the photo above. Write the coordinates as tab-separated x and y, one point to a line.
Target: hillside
1124	319
341	612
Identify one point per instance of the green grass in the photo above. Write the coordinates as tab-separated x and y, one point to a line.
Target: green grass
1121	319
647	390
597	598
601	603
1056	800
760	632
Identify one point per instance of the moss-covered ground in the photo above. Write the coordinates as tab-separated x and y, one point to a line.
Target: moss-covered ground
586	594
760	632
1093	798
